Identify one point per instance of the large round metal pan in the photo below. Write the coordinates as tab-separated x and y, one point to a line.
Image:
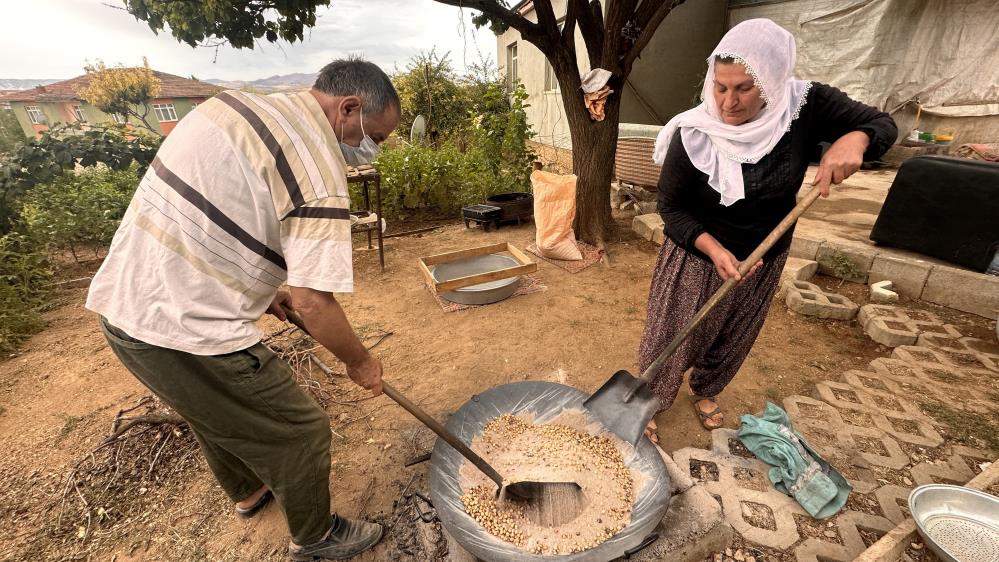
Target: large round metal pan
544	400
483	293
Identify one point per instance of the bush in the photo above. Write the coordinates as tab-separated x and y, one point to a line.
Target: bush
492	158
78	210
24	286
61	149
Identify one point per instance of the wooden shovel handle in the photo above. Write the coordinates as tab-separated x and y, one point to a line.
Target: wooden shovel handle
419	414
727	286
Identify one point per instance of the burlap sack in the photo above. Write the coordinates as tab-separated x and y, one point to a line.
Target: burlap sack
554	211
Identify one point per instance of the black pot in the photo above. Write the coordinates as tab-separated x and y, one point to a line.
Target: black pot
516	206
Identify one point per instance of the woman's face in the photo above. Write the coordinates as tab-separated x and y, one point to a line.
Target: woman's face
737	97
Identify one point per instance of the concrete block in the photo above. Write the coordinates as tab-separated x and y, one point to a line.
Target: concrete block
810	300
895	326
616	196
796	269
659	236
692	529
800	269
646	225
647	207
908	275
881	292
804	247
861	258
968	291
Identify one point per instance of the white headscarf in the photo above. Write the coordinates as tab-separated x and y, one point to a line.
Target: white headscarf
719	149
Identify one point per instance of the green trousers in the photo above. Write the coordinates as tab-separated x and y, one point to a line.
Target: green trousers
255	425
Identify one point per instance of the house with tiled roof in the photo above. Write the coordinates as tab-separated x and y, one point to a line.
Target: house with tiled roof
41	107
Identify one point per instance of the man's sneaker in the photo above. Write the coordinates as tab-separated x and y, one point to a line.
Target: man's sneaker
345	539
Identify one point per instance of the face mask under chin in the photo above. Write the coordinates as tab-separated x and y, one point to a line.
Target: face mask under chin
363	153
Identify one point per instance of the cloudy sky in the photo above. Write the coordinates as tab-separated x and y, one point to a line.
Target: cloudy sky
55	38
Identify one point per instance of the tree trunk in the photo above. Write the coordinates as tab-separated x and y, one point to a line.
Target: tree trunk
594	144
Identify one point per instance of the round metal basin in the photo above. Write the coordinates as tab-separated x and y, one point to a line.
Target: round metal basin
959	524
483	293
543	401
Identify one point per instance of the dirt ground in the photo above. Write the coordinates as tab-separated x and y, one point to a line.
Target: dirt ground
60	393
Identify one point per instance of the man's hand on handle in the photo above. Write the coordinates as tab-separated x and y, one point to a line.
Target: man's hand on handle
367	373
841	161
282	298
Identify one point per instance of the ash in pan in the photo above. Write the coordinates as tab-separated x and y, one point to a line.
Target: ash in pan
569	448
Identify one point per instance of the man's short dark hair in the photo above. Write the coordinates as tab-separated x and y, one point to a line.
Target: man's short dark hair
355	76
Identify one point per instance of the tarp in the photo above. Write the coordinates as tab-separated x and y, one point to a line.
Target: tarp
945	54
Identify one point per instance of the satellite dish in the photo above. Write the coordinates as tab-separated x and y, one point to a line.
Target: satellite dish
419	130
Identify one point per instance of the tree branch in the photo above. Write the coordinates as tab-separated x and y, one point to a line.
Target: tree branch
591	28
569	27
648	18
619	13
529	31
546	18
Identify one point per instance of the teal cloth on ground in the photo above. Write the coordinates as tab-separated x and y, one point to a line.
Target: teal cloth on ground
796	469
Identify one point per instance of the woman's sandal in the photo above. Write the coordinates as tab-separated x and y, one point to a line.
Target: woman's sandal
708	419
249	512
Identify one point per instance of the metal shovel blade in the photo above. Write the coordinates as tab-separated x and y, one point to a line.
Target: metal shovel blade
625	417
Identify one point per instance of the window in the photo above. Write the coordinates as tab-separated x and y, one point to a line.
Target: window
119	118
78	112
511	65
35	115
551	82
165	112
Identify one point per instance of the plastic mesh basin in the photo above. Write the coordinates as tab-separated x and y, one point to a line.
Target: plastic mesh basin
483	293
959	524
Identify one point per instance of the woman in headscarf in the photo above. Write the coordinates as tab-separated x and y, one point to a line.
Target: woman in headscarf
732	167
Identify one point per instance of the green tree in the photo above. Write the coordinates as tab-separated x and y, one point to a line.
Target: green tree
613	39
429	87
122	90
64	147
241	23
11	135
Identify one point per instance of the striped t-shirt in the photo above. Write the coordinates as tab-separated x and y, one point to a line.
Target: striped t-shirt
248	192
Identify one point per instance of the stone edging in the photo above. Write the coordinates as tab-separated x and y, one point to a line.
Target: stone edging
968	291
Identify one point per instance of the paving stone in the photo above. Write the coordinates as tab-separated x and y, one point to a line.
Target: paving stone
860	256
800	269
859	424
894	326
881	292
795	269
964	351
849	524
805	247
645	225
810	300
968	291
733	494
888	496
908	275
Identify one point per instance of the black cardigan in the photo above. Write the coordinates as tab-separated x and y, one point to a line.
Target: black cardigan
689	206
